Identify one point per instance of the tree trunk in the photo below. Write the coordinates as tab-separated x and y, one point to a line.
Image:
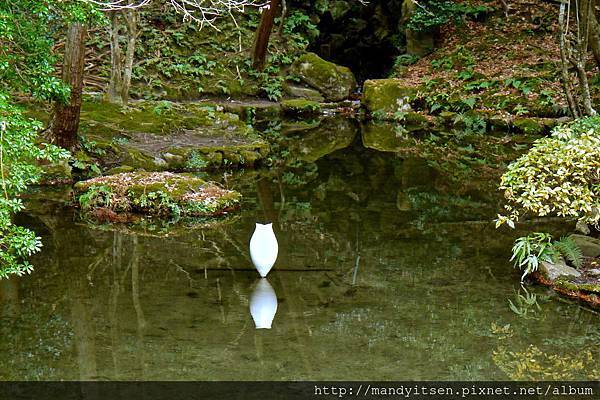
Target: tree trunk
65	120
263	33
564	63
113	94
131	19
583	35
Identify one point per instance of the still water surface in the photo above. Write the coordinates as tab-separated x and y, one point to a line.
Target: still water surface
386	271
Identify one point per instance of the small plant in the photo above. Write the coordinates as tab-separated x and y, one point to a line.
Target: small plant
567	247
96	196
161	107
195	161
529	251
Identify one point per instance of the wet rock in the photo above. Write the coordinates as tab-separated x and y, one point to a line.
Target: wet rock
302	92
558	269
153	193
590	247
594	272
383	98
333	81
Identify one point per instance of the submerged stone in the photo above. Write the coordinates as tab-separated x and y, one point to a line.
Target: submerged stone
154	193
333	81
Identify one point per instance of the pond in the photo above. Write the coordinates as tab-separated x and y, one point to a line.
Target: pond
387	270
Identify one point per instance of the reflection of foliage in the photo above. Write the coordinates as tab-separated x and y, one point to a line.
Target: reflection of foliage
534	364
525	304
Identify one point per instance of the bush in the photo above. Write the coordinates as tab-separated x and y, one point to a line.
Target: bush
559	176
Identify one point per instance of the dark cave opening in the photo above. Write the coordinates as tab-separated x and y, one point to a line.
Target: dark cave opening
367	38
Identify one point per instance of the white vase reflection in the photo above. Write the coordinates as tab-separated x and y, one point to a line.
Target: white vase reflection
263	304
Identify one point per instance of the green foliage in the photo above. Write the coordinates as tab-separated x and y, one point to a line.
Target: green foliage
299	27
96	197
529	251
560	176
567	247
26	66
434	13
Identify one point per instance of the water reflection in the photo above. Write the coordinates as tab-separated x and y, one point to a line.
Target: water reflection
383	263
263	304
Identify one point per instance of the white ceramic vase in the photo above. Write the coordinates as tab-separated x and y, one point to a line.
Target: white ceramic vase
263	248
263	304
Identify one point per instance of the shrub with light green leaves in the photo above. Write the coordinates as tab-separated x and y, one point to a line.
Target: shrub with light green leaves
559	176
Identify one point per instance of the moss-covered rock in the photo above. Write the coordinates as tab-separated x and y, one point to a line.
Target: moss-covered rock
333	81
302	92
384	98
56	173
530	126
300	107
164	136
154	193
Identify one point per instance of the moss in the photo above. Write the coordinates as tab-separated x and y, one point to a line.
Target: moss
333	81
120	169
384	97
297	107
593	287
155	194
530	126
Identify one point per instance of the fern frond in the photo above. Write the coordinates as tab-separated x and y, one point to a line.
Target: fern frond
567	247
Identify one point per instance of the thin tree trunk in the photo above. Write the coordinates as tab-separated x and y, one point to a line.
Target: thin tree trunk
113	94
583	34
283	15
263	34
564	63
131	19
65	120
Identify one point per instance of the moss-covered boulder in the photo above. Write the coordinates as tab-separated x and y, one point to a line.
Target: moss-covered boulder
302	92
333	81
385	98
153	193
530	126
164	136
